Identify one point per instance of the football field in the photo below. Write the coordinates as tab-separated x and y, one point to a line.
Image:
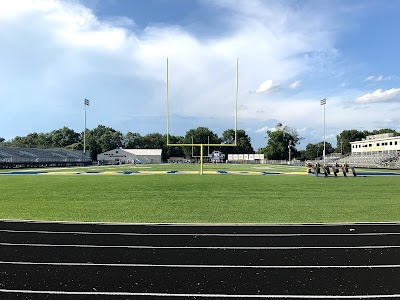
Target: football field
177	194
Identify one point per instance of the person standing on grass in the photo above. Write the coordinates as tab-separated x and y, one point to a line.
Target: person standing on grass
326	170
317	168
308	167
335	169
344	170
353	170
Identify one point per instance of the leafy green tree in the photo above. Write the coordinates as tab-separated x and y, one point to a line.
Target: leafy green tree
153	141
279	142
64	137
44	140
2	140
75	146
173	151
200	135
317	150
347	136
102	139
17	141
132	140
32	140
302	155
243	142
386	130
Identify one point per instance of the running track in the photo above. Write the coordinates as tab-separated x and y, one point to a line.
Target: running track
116	261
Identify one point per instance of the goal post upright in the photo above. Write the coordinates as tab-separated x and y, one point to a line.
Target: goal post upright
201	145
167	108
236	99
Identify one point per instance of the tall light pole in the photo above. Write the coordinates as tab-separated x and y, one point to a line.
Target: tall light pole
85	103
323	102
341	146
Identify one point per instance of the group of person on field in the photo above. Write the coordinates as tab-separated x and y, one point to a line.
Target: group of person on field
335	169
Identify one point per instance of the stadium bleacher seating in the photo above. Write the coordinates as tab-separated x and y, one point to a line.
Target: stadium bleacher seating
370	160
28	157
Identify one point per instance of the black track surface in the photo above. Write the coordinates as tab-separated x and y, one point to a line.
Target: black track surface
93	261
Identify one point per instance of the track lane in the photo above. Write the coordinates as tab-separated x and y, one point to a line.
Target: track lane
177	280
69	238
69	261
204	228
276	257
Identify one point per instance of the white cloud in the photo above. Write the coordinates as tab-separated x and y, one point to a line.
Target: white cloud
266	86
66	53
329	136
295	84
377	78
69	43
379	96
369	78
380	78
265	129
300	130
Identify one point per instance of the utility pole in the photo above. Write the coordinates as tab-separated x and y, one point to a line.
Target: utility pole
290	148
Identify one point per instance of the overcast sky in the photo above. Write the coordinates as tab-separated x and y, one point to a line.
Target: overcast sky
292	54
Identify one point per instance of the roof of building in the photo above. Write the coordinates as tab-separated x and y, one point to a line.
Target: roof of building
392	138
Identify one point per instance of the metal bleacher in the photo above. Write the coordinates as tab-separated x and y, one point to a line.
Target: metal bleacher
371	160
11	157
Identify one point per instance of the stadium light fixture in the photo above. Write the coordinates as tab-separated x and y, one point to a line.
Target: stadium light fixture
341	146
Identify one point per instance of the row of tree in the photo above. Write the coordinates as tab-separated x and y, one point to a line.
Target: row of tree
101	139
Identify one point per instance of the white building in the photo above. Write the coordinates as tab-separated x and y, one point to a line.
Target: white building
377	144
128	156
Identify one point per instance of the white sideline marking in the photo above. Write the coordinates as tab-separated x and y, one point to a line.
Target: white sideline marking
201	295
191	247
200	234
233	225
194	266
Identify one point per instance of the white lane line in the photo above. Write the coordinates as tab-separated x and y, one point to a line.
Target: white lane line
224	296
205	247
69	264
201	234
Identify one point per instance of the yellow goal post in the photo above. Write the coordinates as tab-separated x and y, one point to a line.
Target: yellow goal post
201	145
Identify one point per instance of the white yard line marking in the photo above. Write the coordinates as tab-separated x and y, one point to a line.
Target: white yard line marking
205	247
201	234
224	296
69	264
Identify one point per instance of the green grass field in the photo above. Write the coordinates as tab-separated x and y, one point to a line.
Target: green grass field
199	199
